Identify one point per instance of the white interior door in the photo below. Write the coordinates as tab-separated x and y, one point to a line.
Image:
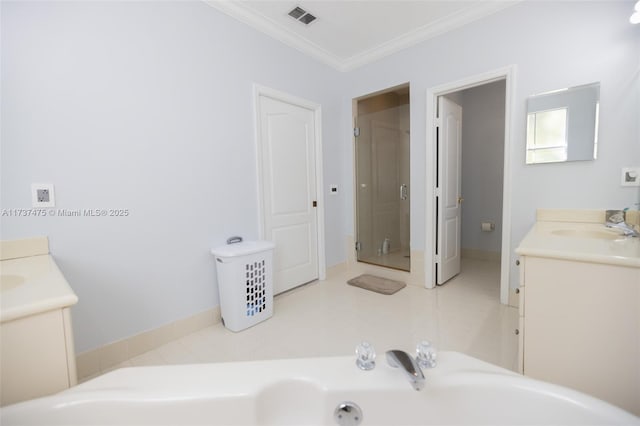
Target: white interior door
287	155
449	189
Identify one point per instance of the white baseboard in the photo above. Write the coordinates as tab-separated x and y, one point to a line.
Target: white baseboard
104	358
480	254
335	270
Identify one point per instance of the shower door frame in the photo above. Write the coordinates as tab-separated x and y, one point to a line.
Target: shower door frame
355	115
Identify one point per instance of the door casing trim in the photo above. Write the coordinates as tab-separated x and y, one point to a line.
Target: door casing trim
508	74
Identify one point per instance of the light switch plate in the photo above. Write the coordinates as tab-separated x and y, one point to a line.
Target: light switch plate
333	189
630	176
42	195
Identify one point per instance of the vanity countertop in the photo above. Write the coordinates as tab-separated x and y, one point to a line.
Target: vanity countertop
584	242
30	285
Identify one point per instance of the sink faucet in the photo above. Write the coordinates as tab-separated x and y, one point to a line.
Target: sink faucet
615	219
627	230
404	361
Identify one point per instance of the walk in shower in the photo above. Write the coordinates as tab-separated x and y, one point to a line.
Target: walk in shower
382	178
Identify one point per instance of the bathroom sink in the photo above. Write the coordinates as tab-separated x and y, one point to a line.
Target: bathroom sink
603	234
7	282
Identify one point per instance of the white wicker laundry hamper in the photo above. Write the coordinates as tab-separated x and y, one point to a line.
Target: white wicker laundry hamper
245	283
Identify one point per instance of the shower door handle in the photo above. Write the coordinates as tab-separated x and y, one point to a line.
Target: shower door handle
403	192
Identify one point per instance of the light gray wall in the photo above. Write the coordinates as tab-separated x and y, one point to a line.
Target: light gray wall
483	110
552	45
145	106
148	106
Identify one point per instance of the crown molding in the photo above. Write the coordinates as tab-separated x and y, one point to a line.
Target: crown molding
246	15
267	26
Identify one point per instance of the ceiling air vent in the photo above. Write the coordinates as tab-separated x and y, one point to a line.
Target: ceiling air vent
307	19
301	15
297	13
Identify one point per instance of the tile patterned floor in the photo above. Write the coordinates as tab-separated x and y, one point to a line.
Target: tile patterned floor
328	318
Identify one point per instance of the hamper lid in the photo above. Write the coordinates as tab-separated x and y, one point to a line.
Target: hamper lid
242	249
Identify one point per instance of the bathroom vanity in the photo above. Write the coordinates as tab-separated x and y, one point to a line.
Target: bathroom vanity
37	353
580	306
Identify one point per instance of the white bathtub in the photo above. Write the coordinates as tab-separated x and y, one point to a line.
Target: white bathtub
460	390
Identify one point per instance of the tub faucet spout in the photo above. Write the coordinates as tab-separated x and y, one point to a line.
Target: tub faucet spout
404	361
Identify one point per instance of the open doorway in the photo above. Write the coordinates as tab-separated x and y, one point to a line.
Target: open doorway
481	112
482	229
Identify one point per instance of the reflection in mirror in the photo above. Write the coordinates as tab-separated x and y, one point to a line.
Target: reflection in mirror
563	125
547	136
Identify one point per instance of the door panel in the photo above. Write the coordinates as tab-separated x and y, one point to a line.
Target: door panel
287	138
289	176
449	208
294	261
386	147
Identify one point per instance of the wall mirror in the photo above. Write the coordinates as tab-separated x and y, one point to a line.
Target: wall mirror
562	125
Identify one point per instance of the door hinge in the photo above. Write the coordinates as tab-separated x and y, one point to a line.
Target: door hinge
356	131
438	122
315	203
358	246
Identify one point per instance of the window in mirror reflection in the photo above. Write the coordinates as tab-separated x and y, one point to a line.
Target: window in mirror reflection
569	119
547	136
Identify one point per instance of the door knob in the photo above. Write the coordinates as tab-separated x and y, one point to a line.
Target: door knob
460	200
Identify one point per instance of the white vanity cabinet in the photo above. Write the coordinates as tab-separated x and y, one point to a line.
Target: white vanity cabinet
580	314
581	327
37	356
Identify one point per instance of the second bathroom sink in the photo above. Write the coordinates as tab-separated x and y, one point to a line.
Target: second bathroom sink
8	282
604	234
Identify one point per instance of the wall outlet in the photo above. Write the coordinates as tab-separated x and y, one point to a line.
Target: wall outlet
630	176
333	189
42	195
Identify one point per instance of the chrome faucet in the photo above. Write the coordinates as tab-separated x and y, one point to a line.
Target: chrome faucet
615	219
627	230
404	361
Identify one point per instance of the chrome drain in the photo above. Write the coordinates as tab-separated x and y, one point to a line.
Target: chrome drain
347	413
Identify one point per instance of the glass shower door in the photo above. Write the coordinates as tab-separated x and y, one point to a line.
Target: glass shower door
382	184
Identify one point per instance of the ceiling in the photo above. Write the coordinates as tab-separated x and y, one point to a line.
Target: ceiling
351	33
